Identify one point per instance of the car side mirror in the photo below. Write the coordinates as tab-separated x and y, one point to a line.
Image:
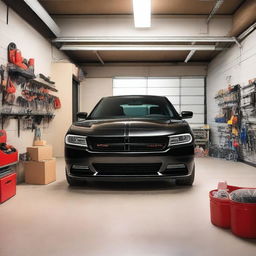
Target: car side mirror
81	115
186	114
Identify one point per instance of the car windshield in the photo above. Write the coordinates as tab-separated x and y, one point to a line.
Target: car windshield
134	107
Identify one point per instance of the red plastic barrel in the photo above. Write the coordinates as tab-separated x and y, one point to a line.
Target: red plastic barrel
243	219
220	211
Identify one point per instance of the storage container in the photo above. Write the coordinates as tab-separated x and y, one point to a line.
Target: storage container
240	217
6	158
7	187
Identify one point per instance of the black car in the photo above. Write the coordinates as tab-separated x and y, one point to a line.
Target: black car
130	138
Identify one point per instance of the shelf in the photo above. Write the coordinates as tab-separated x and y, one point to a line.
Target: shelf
18	116
232	91
234	102
247	106
248	86
5	173
39	82
27	73
25	114
7	165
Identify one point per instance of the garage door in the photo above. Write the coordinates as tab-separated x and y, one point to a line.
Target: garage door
184	93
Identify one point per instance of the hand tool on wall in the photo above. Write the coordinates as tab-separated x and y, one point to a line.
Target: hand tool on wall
47	79
57	103
18	118
3	81
10	88
15	57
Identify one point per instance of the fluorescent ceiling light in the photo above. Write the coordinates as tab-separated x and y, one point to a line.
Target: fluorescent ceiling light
142	13
73	47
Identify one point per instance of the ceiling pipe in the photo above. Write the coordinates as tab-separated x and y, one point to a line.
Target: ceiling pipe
216	7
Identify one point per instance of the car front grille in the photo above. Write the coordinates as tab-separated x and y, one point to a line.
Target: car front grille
128	144
127	169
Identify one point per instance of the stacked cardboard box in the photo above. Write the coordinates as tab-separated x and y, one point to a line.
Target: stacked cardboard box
41	169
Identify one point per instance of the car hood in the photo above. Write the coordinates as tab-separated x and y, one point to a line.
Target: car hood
129	127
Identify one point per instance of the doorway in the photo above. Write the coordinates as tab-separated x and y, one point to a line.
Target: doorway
75	98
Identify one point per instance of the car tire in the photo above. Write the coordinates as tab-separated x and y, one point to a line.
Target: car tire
74	182
187	181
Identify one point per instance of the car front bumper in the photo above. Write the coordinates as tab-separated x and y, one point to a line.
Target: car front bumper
175	163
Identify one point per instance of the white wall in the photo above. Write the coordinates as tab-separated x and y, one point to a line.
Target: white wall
233	66
32	44
145	71
98	82
123	25
62	74
92	90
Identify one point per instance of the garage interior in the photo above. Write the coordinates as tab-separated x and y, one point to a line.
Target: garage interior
200	54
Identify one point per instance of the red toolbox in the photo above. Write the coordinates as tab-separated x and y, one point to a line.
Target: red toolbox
240	217
7	187
8	154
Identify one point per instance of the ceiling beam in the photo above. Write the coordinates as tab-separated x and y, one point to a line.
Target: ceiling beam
35	15
191	53
247	32
243	18
216	7
141	39
39	10
99	58
79	47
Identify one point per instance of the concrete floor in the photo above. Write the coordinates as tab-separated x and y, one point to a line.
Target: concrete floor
122	219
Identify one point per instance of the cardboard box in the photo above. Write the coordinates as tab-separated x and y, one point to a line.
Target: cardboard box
40	172
39	143
39	153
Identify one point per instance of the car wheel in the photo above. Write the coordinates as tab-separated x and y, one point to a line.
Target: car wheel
73	182
187	181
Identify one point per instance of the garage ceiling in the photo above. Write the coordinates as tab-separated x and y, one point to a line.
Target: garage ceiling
120	7
88	53
188	7
87	57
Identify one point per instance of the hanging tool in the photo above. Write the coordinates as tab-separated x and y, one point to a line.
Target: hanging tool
18	119
15	57
2	78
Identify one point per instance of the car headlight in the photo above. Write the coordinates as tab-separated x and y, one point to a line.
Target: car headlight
180	139
76	140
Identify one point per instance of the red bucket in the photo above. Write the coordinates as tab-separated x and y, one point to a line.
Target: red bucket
243	219
220	209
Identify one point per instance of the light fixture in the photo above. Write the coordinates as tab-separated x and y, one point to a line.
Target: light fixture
142	13
132	47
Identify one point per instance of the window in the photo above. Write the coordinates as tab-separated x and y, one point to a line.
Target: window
134	107
185	93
